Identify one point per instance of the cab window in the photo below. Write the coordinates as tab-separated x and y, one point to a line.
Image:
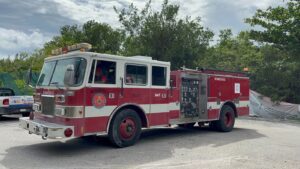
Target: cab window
159	76
104	72
136	75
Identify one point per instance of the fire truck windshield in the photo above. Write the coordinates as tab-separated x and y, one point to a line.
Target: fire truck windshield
53	72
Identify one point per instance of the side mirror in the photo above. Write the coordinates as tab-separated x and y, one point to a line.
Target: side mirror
69	79
28	77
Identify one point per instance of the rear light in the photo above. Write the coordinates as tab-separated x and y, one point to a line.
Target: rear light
68	132
5	102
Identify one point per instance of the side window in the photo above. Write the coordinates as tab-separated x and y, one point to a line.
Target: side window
105	72
136	75
159	75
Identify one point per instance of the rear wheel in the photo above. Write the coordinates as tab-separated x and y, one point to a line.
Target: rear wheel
227	119
125	128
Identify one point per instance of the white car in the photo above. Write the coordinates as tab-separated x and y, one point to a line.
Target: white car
11	104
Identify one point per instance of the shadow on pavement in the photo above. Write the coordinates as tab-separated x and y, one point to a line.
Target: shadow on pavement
91	152
6	118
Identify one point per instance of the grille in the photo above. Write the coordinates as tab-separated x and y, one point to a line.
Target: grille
48	105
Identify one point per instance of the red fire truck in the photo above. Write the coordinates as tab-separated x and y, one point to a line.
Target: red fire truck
82	93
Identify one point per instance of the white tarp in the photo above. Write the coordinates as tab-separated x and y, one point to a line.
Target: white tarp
262	106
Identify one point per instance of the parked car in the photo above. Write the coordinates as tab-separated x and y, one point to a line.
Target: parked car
12	104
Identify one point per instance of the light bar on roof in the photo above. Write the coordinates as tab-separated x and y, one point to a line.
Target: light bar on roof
80	46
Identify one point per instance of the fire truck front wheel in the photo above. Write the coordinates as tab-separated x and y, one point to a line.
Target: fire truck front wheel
125	128
227	119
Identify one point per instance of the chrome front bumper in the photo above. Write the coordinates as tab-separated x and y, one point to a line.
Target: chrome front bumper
44	129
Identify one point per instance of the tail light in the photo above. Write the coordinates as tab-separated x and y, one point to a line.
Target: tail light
5	102
68	132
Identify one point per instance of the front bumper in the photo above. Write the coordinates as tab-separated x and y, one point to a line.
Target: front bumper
45	129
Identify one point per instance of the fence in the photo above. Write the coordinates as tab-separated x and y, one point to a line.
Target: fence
262	106
16	82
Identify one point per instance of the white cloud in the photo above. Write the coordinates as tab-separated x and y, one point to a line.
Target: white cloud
88	10
14	41
102	11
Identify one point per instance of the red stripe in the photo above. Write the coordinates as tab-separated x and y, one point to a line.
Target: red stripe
213	113
96	124
174	114
158	119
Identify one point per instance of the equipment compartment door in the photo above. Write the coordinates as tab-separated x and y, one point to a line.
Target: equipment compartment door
189	103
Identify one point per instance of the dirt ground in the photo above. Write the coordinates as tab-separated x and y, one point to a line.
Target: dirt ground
253	144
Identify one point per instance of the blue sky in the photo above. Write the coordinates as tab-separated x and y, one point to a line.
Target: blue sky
26	25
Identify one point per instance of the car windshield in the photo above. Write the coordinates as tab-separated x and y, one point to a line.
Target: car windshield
6	92
53	72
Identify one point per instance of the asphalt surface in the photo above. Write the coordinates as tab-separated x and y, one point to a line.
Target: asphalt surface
252	144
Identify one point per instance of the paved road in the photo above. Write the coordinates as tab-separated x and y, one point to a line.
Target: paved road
252	144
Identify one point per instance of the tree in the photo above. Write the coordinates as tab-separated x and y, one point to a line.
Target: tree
281	27
278	75
103	37
232	53
164	36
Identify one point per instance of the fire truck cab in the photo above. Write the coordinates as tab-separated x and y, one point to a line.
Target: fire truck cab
83	93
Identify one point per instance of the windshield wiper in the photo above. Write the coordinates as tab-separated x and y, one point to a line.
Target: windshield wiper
56	85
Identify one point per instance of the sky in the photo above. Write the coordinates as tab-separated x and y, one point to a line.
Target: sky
25	25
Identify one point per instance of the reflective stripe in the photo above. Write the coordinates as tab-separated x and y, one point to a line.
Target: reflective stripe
91	111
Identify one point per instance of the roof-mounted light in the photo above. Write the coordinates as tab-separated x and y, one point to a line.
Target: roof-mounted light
80	46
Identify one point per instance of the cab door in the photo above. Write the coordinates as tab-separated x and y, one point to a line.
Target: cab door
135	84
159	108
101	95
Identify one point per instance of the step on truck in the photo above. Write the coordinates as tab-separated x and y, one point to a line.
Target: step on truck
81	93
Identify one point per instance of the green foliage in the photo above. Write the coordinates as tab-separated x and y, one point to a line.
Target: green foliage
233	53
12	71
164	36
280	27
103	37
278	74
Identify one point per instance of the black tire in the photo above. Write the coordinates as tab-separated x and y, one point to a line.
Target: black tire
212	125
227	119
125	128
187	125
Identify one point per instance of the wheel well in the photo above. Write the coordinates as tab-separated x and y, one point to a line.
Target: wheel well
232	105
139	111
